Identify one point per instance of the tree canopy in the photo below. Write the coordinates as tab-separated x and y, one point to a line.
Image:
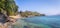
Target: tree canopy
8	6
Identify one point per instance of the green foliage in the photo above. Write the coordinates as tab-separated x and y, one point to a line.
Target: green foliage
9	6
29	14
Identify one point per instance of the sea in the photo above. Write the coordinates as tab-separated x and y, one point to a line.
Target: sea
39	22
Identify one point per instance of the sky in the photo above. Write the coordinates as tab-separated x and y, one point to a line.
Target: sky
47	7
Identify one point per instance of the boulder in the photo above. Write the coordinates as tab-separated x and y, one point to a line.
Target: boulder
3	18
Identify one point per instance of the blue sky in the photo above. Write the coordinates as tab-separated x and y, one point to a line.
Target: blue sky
48	7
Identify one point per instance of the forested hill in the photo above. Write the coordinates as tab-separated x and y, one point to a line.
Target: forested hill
30	13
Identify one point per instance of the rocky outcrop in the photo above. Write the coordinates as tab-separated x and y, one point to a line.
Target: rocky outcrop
5	21
3	18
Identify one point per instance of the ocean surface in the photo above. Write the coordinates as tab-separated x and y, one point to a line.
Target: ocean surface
41	22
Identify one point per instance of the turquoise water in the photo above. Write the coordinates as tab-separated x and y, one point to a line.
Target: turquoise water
40	22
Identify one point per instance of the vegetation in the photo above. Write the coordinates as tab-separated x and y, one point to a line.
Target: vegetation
8	7
29	14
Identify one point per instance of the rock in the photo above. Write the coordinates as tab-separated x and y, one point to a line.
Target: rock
3	18
6	21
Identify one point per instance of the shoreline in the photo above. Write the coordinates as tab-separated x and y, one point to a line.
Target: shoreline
12	21
14	18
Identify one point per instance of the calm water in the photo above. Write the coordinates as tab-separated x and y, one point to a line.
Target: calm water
41	21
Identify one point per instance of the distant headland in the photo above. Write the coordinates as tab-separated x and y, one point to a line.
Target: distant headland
30	14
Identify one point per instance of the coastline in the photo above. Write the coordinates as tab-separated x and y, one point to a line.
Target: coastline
14	18
12	21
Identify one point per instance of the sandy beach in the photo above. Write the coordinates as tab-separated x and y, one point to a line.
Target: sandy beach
16	17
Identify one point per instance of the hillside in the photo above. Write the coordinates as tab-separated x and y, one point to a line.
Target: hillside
29	14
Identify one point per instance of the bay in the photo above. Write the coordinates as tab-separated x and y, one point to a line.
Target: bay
40	22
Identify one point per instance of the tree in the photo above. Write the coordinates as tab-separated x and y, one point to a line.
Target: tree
12	8
9	6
